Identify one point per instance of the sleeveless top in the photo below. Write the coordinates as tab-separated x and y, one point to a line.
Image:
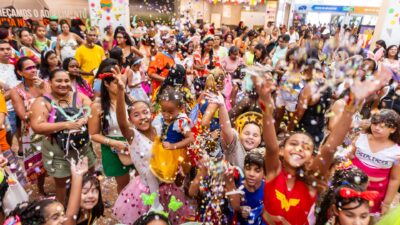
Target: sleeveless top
314	116
293	205
113	129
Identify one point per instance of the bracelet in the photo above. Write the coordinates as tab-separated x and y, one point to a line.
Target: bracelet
107	141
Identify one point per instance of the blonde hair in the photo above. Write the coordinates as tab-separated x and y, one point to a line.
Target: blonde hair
216	75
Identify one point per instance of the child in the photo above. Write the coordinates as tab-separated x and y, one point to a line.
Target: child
152	218
253	204
135	81
169	150
46	211
376	153
351	206
85	204
292	173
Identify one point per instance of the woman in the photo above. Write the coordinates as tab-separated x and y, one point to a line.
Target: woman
55	115
272	40
218	48
67	42
27	48
248	56
78	84
205	60
228	40
22	98
391	59
147	48
49	63
108	39
230	64
103	128
260	54
127	46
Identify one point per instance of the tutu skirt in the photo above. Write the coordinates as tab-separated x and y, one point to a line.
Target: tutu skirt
165	163
129	206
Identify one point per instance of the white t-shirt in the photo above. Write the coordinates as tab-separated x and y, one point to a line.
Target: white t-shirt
7	76
293	37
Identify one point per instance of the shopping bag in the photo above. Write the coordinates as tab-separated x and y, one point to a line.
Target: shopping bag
15	194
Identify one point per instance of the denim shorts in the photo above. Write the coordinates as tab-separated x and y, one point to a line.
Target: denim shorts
13	122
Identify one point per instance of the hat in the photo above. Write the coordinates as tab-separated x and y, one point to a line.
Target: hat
246	118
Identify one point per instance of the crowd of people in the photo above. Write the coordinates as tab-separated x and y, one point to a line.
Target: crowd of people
199	125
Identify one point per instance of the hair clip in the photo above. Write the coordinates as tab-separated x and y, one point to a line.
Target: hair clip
351	193
105	75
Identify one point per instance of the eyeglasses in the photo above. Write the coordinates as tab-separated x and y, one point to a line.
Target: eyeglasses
30	68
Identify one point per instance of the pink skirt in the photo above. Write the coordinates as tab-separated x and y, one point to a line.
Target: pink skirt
129	206
380	186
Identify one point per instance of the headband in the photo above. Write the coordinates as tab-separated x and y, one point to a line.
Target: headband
248	117
137	61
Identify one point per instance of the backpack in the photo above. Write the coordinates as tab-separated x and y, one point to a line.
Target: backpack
66	139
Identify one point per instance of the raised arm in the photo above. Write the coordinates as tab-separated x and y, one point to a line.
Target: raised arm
136	51
301	107
78	170
264	87
122	119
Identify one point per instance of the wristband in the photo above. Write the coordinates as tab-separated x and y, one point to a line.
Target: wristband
107	141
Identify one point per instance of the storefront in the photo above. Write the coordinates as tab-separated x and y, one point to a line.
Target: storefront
335	14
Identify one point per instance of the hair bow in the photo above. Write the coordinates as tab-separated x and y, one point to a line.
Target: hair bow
105	75
366	195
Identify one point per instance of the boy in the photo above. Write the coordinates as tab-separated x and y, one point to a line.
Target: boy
253	200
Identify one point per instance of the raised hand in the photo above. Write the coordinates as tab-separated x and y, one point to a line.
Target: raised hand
214	98
264	85
79	168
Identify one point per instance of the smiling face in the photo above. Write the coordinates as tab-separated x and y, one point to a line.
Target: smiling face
140	116
54	214
250	136
26	38
89	196
392	52
297	150
61	83
357	216
29	70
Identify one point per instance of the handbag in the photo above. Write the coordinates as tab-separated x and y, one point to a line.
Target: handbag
15	193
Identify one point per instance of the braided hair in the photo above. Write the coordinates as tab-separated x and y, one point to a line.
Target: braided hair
210	65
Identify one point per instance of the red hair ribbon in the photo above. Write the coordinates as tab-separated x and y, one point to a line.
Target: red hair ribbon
105	75
366	195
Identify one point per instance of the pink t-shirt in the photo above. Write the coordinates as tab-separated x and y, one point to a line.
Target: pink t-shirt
229	65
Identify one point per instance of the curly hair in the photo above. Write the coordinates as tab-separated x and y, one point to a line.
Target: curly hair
32	213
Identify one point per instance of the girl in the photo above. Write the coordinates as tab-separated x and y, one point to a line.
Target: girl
49	63
135	81
290	190
376	152
345	174
152	218
351	206
67	42
129	205
219	49
103	128
78	84
27	48
248	56
169	148
41	212
22	98
41	42
85	203
47	118
260	54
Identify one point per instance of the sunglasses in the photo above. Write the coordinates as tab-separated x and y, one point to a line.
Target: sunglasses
30	68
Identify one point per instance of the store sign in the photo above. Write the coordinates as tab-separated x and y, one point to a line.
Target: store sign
336	8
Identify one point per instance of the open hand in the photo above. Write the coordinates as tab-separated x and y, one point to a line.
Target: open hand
79	168
215	98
